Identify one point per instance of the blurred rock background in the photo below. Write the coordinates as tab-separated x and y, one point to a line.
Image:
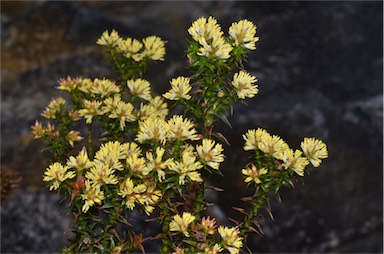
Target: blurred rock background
320	72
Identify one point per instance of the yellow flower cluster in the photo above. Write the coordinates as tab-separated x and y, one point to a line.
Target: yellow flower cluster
152	47
57	173
253	174
187	167
54	106
92	194
208	34
103	87
244	85
210	153
231	239
273	145
157	129
115	108
181	223
90	109
38	130
314	150
243	33
140	88
80	162
180	89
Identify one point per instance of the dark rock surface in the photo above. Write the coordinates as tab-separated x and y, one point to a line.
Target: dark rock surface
320	72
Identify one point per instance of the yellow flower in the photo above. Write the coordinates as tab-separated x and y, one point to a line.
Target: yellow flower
140	88
208	225
130	48
73	136
243	33
80	162
110	103
180	89
156	163
294	161
124	112
203	28
232	240
152	128
210	153
57	174
38	130
69	84
101	174
110	154
85	85
187	168
92	194
137	165
213	249
216	49
104	87
154	48
130	192
149	199
181	129
253	174
112	39
90	110
272	145
130	149
54	106
314	150
181	223
161	108
252	138
244	86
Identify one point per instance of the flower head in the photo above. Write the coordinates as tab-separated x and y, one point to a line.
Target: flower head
273	145
153	128
101	174
203	28
181	129
131	193
253	174
80	162
140	88
38	130
181	223
130	48
243	33
69	84
90	110
73	136
252	138
103	87
210	153
294	161
208	225
123	111
112	39
244	85
57	173
92	194
156	163
314	150
232	240
154	48
180	89
187	168
110	154
55	106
